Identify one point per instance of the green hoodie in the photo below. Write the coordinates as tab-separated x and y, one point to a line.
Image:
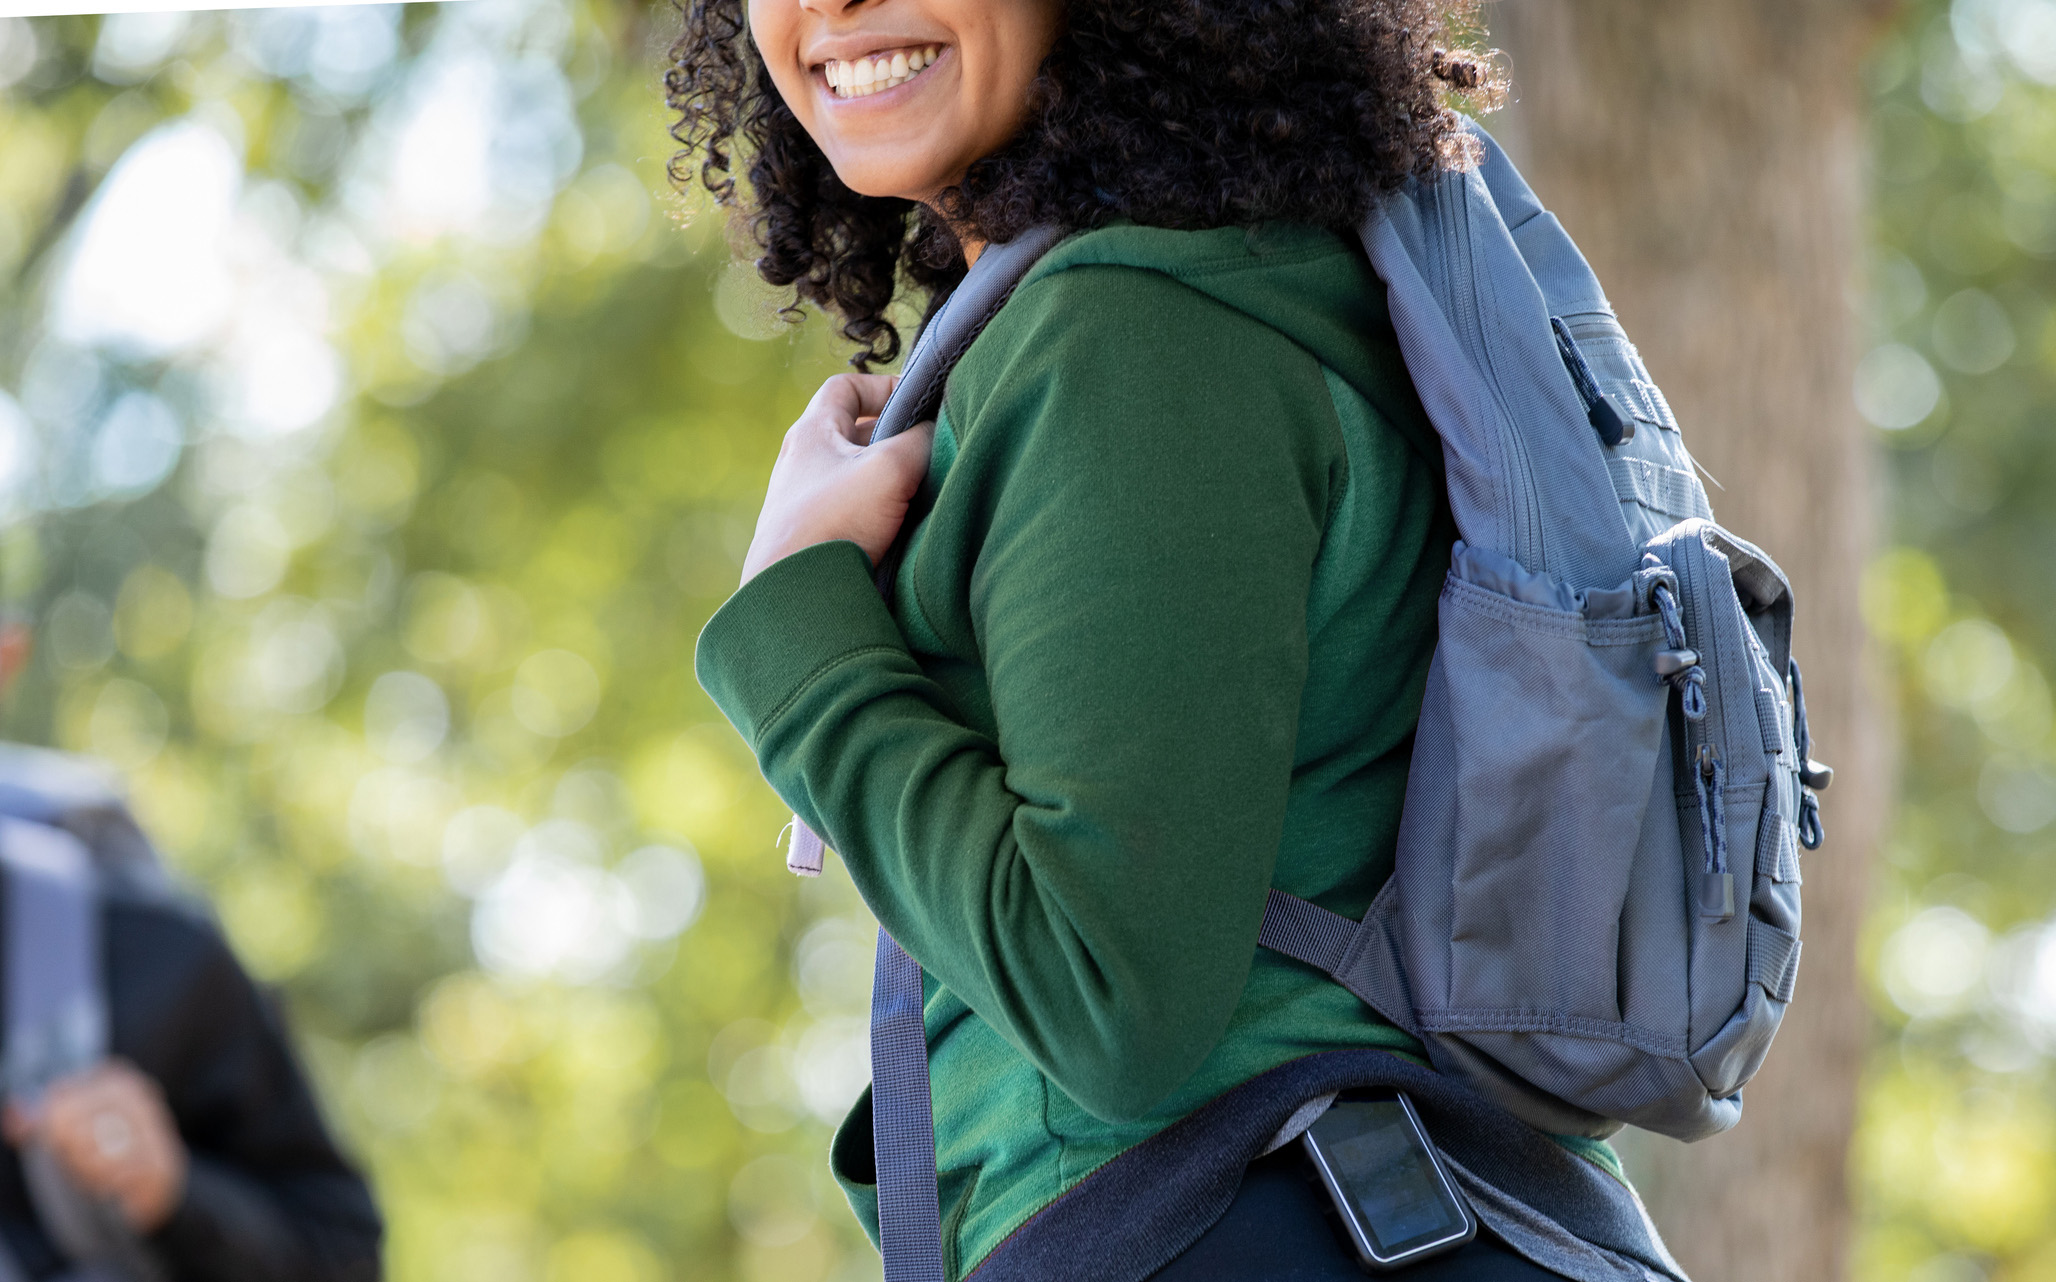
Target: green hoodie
1158	645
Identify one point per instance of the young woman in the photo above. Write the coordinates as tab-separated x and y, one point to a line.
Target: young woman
1159	637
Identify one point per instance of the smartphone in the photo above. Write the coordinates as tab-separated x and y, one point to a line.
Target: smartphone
1389	1185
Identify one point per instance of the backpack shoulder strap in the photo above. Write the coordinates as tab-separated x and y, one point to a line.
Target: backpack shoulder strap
56	1007
950	332
79	796
56	1024
902	1117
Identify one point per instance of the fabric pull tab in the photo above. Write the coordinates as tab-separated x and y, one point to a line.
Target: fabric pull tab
1670	663
1688	679
1813	776
1717	895
803	856
1599	411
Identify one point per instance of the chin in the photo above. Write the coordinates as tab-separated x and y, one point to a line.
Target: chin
889	180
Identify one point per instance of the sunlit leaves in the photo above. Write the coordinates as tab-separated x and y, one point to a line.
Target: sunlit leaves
371	534
1957	1153
1979	1165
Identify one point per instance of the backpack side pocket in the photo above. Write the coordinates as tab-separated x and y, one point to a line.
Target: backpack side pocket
1529	790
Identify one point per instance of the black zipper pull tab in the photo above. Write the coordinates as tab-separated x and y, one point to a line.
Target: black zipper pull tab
1605	419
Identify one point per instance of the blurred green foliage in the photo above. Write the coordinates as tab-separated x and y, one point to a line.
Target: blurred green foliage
1955	1163
386	604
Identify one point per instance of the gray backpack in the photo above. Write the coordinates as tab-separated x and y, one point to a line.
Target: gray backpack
65	839
1594	918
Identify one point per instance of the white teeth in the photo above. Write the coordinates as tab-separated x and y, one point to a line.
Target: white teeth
865	76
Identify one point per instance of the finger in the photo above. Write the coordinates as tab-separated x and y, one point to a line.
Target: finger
856	395
63	1108
855	431
99	1171
75	1100
852	411
89	1170
130	1182
67	1128
831	419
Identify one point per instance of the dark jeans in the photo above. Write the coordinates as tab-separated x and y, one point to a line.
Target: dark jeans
1276	1231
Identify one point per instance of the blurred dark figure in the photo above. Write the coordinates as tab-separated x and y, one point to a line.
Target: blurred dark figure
157	1126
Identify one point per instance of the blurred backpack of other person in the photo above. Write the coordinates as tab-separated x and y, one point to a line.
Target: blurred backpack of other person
157	1125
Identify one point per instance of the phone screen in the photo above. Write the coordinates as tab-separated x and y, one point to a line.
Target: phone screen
1382	1163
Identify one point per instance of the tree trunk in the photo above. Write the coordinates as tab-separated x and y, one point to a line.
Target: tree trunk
1708	159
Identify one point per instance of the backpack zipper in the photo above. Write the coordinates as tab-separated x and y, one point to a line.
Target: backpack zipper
1717	882
1525	516
1709	771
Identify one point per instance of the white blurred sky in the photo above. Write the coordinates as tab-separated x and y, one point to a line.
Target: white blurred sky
44	8
187	257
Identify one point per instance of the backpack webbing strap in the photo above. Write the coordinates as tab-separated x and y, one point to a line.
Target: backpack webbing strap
902	1121
1362	956
1773	958
902	1110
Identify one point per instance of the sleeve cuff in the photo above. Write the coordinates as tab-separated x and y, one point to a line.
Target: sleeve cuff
798	619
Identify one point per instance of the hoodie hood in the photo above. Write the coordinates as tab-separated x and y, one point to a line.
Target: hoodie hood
1311	285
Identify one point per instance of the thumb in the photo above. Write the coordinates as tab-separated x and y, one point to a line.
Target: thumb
912	444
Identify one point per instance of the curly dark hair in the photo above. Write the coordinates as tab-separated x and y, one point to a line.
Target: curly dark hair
1172	113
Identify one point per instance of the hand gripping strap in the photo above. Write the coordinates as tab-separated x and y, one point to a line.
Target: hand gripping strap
1362	956
918	396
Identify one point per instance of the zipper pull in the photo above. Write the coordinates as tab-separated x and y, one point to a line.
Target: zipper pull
1605	419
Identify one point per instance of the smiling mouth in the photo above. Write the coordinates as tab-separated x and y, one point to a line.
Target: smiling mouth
879	72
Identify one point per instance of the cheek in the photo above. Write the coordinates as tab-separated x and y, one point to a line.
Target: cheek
774	28
1017	37
771	21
